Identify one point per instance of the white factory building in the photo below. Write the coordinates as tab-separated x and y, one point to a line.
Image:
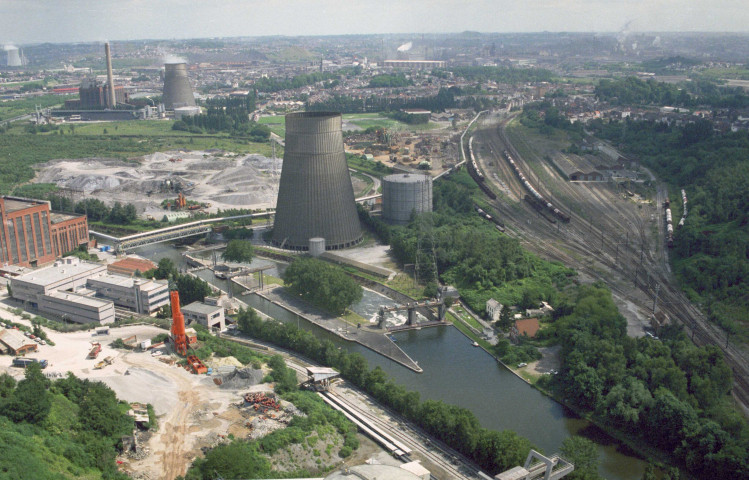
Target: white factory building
211	316
84	292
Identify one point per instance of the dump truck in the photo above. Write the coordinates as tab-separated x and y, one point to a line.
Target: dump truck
95	349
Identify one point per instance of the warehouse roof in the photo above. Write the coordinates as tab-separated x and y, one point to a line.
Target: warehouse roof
200	307
60	270
14	339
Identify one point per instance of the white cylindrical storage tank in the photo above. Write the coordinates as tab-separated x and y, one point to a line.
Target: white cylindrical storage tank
405	194
316	246
181	112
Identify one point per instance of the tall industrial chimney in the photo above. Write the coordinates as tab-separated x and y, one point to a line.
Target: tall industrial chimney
177	89
111	97
315	195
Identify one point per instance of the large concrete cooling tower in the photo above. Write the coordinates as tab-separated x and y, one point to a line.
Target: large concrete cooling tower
14	59
315	196
177	90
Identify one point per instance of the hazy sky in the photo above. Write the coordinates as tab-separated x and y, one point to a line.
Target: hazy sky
33	21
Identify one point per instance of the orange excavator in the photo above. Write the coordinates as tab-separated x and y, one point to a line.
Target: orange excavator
178	325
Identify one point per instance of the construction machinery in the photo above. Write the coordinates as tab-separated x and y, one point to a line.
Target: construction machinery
104	363
178	325
197	366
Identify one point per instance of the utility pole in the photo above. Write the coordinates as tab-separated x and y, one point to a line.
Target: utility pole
655	300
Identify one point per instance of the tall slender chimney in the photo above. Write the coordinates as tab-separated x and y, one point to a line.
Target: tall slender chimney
111	97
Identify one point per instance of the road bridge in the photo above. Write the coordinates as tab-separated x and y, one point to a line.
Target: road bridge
129	242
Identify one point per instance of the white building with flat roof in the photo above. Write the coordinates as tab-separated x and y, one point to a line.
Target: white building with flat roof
140	295
211	316
60	290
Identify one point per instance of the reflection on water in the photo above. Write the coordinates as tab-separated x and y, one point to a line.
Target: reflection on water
456	373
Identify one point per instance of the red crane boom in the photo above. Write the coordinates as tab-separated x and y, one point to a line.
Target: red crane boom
178	325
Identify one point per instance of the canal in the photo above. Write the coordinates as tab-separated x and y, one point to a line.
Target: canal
456	373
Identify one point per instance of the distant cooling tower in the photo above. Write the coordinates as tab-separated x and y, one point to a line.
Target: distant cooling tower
14	59
177	90
315	195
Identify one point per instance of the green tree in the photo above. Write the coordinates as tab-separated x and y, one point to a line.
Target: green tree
238	251
192	289
584	455
165	269
322	284
30	401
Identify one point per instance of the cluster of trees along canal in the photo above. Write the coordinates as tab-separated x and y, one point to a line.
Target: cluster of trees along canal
457	374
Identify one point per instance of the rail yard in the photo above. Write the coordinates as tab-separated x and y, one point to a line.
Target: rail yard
609	236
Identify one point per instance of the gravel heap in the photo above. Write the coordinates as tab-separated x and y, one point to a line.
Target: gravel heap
241	378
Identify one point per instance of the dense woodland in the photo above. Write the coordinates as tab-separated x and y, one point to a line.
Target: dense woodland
445	98
711	251
669	393
633	91
69	428
230	115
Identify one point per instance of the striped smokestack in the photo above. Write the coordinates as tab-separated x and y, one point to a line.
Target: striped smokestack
111	97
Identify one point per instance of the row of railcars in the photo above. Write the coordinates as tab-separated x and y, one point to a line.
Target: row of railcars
475	173
535	197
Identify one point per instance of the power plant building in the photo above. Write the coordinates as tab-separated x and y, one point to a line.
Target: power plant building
404	195
177	89
315	195
31	234
94	94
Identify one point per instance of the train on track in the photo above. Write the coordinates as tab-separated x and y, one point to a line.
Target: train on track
475	173
684	213
500	226
535	198
669	227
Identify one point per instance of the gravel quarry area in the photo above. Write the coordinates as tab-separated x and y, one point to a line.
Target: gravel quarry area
223	180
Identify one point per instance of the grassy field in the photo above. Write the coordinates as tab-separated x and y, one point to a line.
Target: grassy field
277	124
14	108
366	120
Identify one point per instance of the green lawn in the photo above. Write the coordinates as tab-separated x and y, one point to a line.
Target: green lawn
366	120
15	108
276	123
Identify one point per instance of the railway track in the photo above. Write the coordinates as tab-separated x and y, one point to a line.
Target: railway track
453	463
588	246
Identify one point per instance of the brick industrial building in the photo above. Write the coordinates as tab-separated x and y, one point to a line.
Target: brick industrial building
32	235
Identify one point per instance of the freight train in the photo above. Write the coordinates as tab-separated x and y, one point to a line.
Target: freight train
500	226
475	173
684	201
669	228
536	198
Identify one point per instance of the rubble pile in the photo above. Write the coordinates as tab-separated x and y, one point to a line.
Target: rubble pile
241	378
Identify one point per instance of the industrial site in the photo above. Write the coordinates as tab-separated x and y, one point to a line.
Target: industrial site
447	256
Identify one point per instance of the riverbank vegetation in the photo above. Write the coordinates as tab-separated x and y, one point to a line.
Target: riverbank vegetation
667	393
66	429
494	451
